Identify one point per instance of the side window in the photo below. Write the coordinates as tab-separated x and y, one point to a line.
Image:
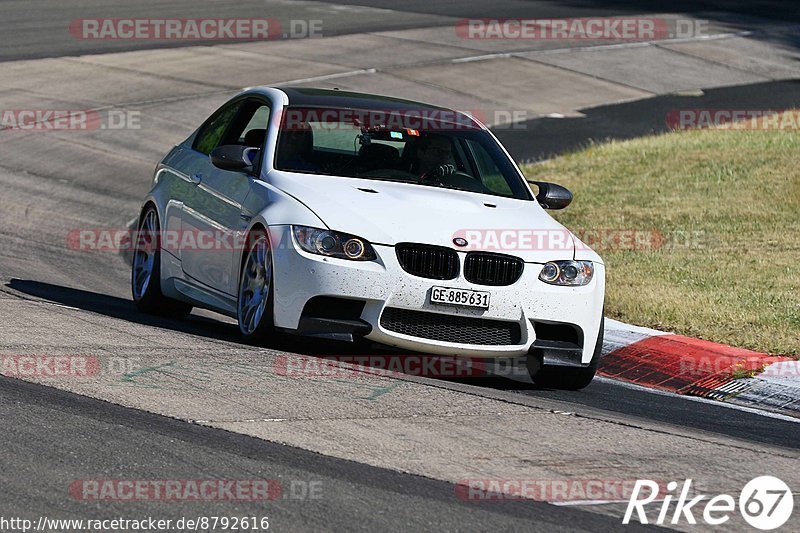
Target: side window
209	137
491	176
249	128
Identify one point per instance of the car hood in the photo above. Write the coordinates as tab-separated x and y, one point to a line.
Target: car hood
385	212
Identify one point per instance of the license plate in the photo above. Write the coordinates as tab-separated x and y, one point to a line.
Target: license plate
460	297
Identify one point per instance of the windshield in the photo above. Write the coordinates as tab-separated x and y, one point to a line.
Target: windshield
440	149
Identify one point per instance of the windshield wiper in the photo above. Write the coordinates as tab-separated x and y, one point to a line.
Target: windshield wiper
387	178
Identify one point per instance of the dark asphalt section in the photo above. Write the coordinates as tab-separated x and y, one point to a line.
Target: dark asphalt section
772	9
709	417
543	138
52	438
40	28
600	396
33	29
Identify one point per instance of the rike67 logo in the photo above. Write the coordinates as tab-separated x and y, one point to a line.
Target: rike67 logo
766	503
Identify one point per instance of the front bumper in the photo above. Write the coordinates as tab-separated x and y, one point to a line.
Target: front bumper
381	284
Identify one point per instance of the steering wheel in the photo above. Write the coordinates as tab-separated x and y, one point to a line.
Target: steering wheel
449	176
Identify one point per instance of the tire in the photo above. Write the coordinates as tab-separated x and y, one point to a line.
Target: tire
566	377
254	302
146	271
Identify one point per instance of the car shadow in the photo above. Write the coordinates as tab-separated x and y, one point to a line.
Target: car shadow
121	308
207	327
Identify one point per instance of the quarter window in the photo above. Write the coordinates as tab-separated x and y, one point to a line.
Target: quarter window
259	121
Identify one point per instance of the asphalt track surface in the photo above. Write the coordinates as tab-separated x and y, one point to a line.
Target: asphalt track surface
603	394
83	433
51	437
38	28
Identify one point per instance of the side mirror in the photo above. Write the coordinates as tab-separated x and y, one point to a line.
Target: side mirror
552	195
234	157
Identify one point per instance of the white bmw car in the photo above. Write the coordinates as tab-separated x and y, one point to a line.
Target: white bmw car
346	215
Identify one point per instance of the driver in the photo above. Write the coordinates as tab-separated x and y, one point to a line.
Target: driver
435	154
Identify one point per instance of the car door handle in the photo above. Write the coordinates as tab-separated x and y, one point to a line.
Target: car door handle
246	218
196	178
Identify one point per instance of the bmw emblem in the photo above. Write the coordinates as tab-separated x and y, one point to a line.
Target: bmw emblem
459	241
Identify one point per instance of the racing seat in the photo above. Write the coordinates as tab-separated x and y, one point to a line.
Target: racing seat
300	155
255	138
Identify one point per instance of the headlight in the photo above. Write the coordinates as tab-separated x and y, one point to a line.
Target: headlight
333	244
569	273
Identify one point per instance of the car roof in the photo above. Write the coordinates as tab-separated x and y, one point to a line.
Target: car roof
312	97
334	98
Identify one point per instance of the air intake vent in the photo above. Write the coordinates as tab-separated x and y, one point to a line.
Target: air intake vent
451	328
492	269
426	261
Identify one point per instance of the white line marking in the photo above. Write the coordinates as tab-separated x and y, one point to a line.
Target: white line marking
248	420
603	502
616	325
640	44
329	76
484	57
593	502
